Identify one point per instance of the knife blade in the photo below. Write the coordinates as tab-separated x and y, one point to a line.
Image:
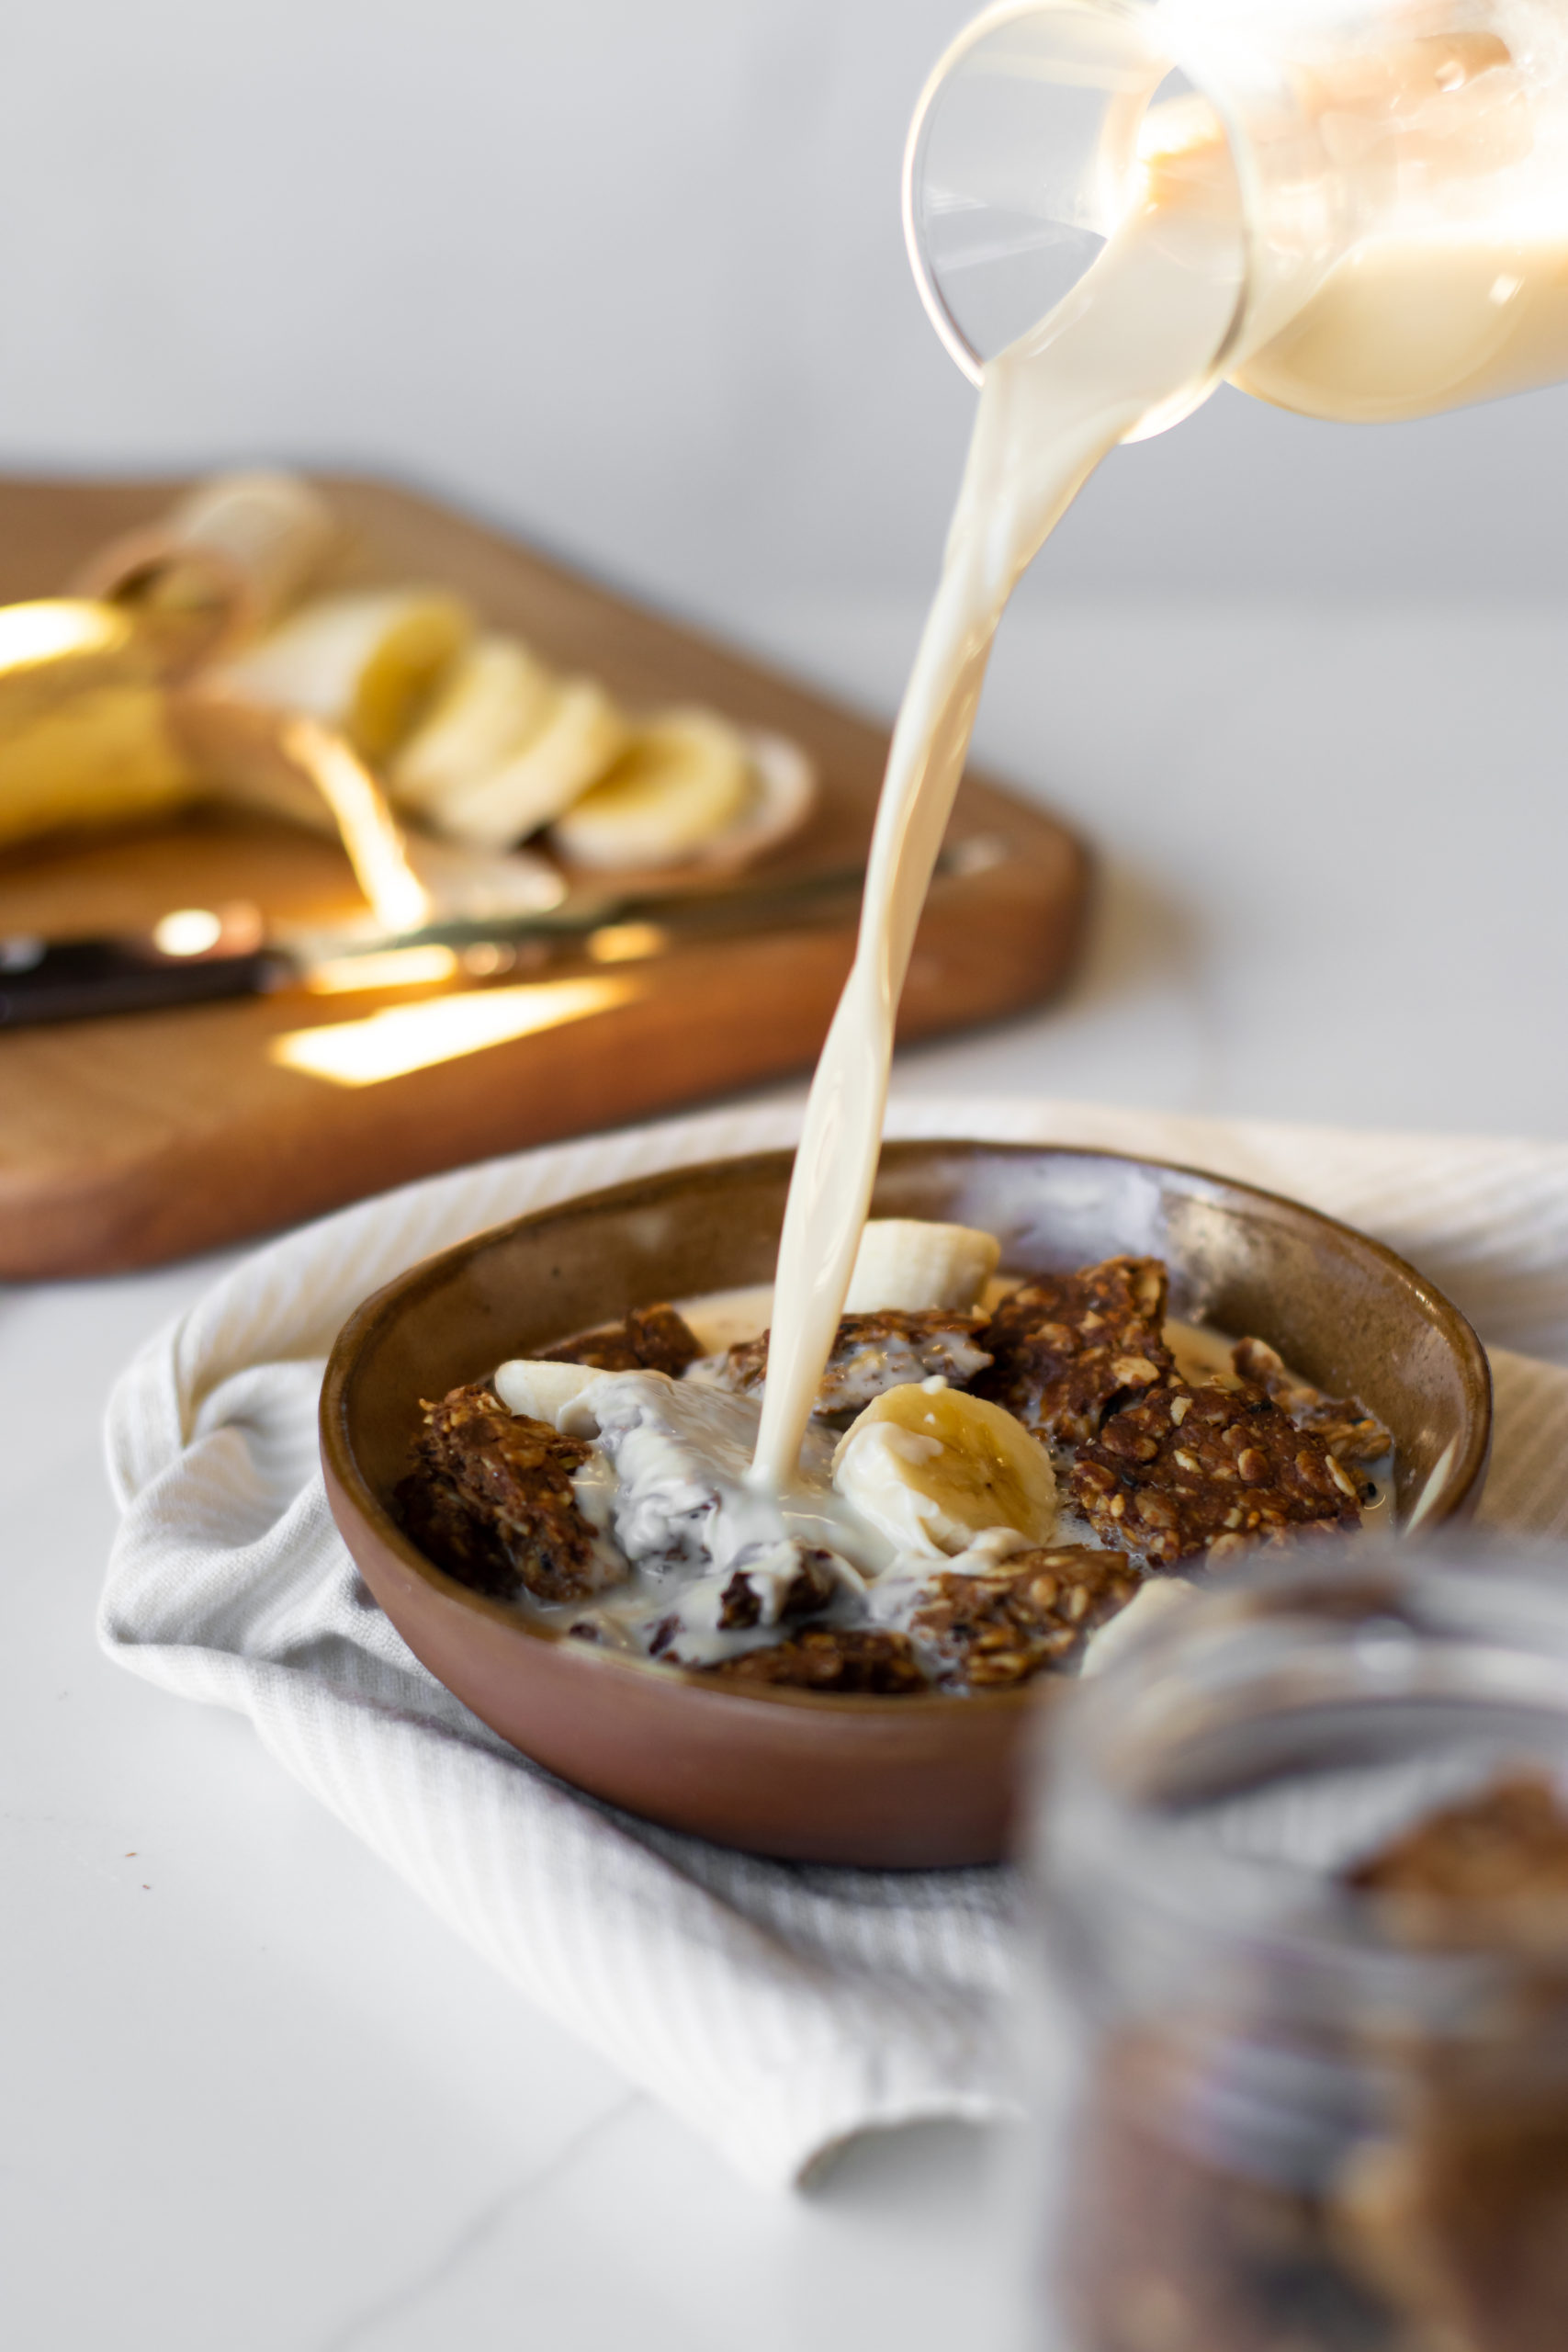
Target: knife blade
200	955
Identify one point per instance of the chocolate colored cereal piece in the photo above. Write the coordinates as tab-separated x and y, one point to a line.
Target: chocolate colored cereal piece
831	1657
651	1339
1188	1470
491	1500
1068	1348
874	1353
1030	1614
1346	1429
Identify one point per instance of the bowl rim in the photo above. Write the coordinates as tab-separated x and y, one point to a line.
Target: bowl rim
1462	1478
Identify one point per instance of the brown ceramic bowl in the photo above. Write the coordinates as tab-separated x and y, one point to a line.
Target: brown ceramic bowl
890	1782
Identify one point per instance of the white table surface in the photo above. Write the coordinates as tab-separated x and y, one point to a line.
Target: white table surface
253	2096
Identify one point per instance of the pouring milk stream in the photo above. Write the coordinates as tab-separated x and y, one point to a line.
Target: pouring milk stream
1414	305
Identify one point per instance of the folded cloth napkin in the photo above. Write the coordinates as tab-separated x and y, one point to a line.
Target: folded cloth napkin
777	2008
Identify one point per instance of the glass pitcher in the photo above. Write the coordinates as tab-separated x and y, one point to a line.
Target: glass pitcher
1394	173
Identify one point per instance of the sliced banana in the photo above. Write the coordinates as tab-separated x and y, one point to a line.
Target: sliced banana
582	734
684	780
364	663
907	1264
542	1391
781	797
496	699
932	1469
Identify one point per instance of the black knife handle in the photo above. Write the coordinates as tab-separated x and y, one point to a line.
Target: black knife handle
80	979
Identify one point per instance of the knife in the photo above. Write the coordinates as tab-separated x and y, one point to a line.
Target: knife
198	955
201	955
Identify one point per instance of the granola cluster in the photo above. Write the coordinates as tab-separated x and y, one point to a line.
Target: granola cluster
844	1658
1034	1610
1189	1470
1068	1350
1351	1434
650	1339
491	1500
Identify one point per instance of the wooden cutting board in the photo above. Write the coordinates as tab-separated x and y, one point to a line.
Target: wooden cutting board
128	1141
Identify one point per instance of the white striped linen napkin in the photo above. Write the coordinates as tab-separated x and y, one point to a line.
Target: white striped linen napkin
778	2008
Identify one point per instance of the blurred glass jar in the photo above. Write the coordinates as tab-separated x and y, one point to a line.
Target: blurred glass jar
1289	2100
1395	173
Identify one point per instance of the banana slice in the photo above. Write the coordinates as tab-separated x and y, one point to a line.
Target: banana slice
363	663
932	1469
907	1264
683	781
582	736
496	700
542	1391
783	795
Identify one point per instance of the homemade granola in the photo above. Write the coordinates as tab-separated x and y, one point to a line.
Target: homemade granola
916	1553
1067	1348
1190	1470
1350	1433
831	1657
650	1339
491	1499
1034	1610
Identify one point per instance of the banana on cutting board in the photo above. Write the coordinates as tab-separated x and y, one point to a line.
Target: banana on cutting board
363	663
684	779
575	736
507	748
85	737
135	702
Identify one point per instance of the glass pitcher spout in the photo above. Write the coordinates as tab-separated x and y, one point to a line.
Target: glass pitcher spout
1397	173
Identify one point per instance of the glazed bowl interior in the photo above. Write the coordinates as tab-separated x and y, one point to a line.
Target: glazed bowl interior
1341	1309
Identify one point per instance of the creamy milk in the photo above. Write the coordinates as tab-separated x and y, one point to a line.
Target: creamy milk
1138	333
